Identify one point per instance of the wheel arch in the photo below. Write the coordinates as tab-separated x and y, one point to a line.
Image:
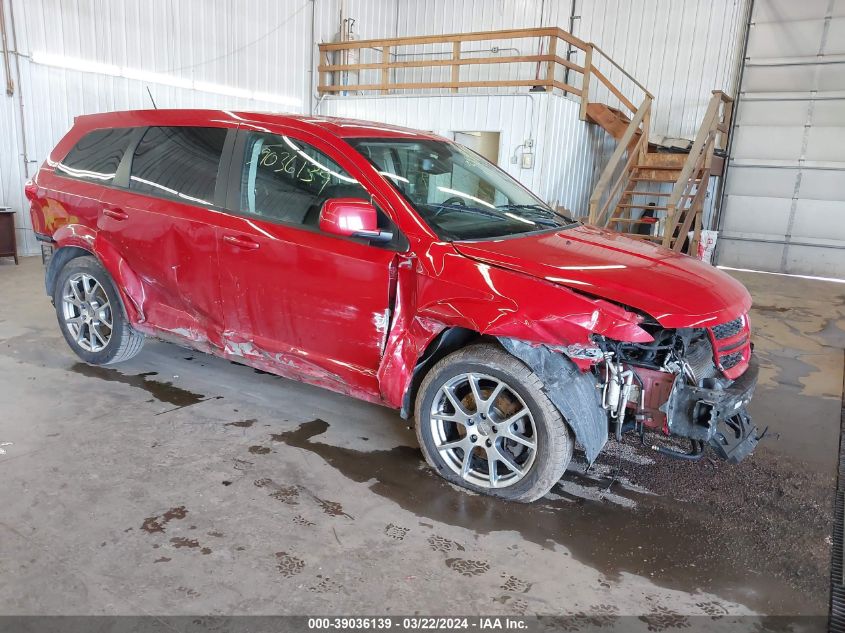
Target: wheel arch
449	340
58	261
67	253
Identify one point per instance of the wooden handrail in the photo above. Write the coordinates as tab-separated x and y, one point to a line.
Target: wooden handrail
459	84
624	72
613	89
451	58
597	213
506	34
461	61
716	121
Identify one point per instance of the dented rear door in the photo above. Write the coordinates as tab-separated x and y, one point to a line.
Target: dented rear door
161	225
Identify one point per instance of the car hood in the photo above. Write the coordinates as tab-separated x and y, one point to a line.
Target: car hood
677	290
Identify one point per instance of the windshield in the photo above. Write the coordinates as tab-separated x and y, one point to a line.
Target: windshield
459	194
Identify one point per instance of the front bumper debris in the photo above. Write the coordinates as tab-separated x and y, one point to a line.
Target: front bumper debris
735	438
717	416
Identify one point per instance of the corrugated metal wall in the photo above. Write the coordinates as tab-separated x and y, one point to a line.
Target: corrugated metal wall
681	51
257	55
190	53
568	153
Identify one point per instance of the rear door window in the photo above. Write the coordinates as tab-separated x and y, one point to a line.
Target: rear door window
179	163
97	155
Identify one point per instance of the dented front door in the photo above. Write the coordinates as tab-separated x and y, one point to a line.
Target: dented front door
296	301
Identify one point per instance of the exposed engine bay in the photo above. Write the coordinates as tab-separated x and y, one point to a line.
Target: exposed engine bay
693	383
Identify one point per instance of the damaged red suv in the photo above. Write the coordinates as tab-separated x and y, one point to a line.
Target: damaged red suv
397	267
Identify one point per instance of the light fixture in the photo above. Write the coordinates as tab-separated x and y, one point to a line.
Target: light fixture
145	76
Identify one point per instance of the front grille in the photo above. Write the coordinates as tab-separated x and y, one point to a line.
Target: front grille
731	360
732	346
727	330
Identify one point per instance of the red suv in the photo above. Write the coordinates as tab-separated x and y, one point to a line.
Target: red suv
397	267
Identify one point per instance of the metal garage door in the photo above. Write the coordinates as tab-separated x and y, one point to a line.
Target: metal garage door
784	208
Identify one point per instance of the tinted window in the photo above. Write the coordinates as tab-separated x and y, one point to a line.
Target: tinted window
96	155
287	180
178	162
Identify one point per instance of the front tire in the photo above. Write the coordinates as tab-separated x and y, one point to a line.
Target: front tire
91	315
484	423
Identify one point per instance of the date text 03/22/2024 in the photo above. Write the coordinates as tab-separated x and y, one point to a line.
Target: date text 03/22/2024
478	623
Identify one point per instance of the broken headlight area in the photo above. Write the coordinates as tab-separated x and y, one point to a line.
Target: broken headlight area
678	386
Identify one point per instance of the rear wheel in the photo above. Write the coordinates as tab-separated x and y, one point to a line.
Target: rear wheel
484	423
91	316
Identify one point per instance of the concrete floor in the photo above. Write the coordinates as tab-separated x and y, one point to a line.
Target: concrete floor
179	483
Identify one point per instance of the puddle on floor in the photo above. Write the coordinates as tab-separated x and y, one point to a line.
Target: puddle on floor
160	390
656	542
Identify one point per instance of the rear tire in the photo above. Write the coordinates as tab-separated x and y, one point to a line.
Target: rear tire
91	316
497	411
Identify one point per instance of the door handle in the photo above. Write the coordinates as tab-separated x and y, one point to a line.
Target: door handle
241	242
117	214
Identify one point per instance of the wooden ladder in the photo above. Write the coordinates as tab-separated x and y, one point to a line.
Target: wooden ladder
653	195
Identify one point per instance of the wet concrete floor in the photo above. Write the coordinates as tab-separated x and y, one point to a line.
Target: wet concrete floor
178	483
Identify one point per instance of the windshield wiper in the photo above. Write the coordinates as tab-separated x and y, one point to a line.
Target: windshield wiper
537	209
463	207
499	214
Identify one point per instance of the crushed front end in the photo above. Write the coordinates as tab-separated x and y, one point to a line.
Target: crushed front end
692	383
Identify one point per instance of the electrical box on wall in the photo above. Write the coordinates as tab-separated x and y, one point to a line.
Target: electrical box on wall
527	160
524	158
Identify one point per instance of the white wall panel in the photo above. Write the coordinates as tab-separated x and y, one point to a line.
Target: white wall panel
791	11
263	47
757	216
786	39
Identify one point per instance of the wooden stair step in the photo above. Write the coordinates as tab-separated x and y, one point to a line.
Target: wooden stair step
658	167
664	160
658	177
632	221
634	192
643	206
612	120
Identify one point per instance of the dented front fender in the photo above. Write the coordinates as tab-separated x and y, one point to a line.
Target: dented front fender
443	289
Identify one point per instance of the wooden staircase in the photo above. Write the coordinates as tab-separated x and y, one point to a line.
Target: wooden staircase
642	207
613	120
655	195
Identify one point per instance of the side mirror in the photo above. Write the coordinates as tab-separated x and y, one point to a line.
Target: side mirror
351	217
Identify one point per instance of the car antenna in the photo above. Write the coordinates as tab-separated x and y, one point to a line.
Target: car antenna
151	98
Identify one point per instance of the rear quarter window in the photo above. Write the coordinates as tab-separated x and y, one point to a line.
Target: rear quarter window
97	155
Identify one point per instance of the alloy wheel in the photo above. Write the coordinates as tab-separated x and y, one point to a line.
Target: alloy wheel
87	312
483	430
